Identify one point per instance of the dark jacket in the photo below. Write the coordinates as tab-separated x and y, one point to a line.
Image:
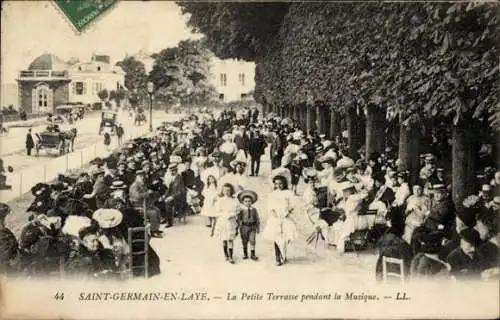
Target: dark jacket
30	143
256	145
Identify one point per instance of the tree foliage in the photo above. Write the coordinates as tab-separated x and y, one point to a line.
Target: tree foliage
414	59
182	74
236	30
103	94
135	73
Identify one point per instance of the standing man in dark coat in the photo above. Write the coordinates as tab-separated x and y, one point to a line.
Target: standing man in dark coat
277	149
256	147
176	194
30	143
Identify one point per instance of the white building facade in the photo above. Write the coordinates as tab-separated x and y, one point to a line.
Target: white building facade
88	78
233	79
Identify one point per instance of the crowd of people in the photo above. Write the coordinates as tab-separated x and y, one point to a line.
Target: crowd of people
203	164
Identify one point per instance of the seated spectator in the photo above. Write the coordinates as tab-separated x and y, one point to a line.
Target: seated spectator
464	261
8	242
417	206
487	226
426	264
392	245
91	258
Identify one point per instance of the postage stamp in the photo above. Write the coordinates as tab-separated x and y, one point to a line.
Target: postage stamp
81	13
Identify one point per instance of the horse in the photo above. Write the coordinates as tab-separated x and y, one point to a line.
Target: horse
69	139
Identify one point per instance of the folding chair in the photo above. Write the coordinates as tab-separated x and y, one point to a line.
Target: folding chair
386	261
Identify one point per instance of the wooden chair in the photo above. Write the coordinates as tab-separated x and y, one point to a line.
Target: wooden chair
144	232
386	261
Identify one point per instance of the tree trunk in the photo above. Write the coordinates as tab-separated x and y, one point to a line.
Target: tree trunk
308	119
295	115
335	129
409	150
319	119
375	130
353	129
462	161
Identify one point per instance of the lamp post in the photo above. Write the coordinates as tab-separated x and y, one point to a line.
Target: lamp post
151	88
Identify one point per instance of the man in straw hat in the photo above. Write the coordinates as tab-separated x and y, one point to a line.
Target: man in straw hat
248	222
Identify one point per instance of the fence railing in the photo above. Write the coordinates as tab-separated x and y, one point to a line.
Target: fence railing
23	180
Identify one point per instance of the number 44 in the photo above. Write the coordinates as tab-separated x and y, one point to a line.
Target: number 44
59	296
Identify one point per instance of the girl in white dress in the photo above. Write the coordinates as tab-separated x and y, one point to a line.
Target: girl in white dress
227	208
280	226
210	194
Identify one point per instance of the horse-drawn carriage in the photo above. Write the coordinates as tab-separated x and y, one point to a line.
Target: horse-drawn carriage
108	122
63	142
71	112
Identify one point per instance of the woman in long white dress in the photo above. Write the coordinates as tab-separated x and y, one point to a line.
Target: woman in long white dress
280	226
227	208
210	193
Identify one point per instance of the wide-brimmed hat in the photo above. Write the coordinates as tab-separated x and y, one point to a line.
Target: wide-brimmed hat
118	185
107	218
39	189
175	159
309	173
327	159
281	172
248	193
235	162
439	187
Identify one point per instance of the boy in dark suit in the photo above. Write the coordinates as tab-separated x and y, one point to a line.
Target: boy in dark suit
248	222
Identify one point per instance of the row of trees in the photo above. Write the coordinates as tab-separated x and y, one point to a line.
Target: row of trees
427	67
180	75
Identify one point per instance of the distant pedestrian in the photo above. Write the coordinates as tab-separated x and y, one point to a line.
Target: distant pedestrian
119	134
30	143
107	140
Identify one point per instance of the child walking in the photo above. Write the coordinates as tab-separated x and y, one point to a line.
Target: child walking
248	222
210	196
227	207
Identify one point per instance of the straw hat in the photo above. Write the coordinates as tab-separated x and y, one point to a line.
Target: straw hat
309	173
248	193
118	185
107	218
284	172
235	162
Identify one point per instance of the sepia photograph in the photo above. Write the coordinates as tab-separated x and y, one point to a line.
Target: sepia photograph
249	159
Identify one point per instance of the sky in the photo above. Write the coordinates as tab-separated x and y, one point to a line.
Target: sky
31	28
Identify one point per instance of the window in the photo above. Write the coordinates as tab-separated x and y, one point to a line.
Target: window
221	97
241	78
243	95
42	98
223	79
79	88
96	87
98	68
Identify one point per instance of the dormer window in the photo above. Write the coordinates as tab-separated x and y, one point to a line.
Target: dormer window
98	68
79	68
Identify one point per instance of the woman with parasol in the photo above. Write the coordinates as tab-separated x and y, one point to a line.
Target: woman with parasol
280	226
